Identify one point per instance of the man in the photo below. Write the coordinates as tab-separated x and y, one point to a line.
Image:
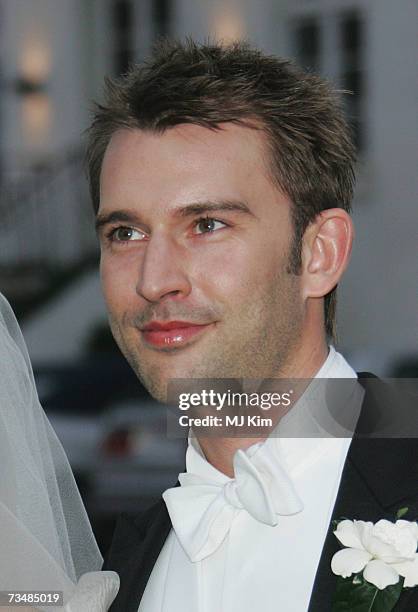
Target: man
222	180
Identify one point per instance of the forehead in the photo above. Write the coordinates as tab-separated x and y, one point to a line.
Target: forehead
185	163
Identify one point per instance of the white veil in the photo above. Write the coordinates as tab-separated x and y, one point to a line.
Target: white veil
46	542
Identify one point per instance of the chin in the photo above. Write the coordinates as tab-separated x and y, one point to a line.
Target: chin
157	382
162	386
156	387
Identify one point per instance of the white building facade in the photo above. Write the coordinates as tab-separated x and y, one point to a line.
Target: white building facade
53	58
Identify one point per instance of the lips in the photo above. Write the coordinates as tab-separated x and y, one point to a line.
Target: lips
171	333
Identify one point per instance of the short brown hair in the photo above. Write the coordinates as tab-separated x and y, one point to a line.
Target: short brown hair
312	154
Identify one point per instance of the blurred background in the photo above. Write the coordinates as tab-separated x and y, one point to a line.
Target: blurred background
54	55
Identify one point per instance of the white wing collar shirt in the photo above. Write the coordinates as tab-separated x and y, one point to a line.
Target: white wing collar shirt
253	541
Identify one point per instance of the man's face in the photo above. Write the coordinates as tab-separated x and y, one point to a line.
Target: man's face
195	243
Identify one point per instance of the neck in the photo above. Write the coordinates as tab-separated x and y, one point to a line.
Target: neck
304	364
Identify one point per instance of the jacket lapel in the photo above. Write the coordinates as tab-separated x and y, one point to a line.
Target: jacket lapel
136	544
379	477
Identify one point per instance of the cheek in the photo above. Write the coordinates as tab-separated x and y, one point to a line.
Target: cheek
234	273
118	283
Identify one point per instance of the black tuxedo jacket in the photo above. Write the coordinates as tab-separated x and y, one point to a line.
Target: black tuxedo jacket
380	476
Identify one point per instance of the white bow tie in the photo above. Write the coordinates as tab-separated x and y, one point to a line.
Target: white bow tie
202	509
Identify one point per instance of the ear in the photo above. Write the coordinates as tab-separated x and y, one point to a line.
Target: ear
326	251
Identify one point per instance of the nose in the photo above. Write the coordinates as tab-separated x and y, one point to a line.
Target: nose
163	270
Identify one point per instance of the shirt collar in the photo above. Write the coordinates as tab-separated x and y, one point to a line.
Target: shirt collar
297	452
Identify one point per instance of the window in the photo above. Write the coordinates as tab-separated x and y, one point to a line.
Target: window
307	43
352	71
123	35
161	17
333	44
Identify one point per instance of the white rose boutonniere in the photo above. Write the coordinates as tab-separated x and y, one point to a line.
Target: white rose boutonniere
379	560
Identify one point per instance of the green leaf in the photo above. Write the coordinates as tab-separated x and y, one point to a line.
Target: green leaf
357	595
401	512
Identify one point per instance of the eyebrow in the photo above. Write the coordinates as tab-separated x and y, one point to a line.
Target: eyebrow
197	208
200	208
115	216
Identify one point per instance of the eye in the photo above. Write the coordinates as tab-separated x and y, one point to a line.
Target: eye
126	234
208	225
